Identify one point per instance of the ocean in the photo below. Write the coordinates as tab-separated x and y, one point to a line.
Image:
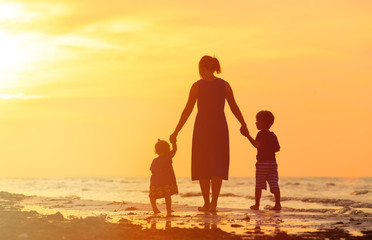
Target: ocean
307	194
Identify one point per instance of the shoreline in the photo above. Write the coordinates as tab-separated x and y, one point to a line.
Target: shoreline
42	214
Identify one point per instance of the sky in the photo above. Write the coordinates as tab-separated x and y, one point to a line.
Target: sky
87	87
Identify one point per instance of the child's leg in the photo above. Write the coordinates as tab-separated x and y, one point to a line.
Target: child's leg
261	177
168	203
205	185
274	186
153	205
277	206
257	197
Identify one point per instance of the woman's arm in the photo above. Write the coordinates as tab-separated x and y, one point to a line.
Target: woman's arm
186	112
235	109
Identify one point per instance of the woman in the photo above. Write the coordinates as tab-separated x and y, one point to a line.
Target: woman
210	145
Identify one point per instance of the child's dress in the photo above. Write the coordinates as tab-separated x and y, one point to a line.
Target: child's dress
163	181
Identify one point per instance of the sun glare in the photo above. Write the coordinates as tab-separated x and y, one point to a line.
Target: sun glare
12	57
10	10
13	54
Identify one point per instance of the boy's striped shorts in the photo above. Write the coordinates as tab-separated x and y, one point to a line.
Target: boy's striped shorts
267	172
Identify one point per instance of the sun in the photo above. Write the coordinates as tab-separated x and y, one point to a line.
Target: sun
12	53
9	10
12	58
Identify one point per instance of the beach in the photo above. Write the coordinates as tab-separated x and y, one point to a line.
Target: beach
25	217
118	208
38	217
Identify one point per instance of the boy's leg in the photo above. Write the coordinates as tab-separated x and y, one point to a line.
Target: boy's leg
257	197
153	205
261	176
274	186
205	185
168	204
277	206
216	188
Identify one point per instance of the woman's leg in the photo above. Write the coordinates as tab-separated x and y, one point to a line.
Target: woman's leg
205	186
216	188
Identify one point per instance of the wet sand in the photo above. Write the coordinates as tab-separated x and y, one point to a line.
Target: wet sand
25	217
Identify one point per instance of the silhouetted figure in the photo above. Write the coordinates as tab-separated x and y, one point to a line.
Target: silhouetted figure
163	181
267	145
210	144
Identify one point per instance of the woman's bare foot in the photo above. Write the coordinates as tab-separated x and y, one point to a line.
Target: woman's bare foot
212	209
255	207
276	208
169	213
205	208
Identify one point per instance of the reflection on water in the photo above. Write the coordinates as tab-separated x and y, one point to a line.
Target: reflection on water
250	224
260	224
263	224
260	230
154	224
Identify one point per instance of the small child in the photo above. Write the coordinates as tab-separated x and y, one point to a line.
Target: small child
267	145
163	181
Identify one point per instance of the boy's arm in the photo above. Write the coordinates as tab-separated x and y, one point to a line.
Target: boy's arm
277	146
174	149
255	143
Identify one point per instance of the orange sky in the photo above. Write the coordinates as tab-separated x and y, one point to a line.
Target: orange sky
86	87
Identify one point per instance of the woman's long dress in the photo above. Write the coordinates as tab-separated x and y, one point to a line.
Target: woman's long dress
210	145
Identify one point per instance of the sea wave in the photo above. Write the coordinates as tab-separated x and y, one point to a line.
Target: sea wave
229	195
344	210
291	184
190	194
197	194
336	202
361	192
330	184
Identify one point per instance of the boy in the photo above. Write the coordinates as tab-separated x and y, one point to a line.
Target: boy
267	145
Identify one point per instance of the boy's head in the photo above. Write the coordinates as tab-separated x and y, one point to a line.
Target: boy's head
162	147
265	120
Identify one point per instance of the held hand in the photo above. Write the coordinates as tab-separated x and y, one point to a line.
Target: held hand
244	130
173	138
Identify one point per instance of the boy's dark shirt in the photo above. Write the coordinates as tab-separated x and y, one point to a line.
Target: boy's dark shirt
268	146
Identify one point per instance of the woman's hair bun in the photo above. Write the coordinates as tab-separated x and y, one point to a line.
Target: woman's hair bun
210	63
